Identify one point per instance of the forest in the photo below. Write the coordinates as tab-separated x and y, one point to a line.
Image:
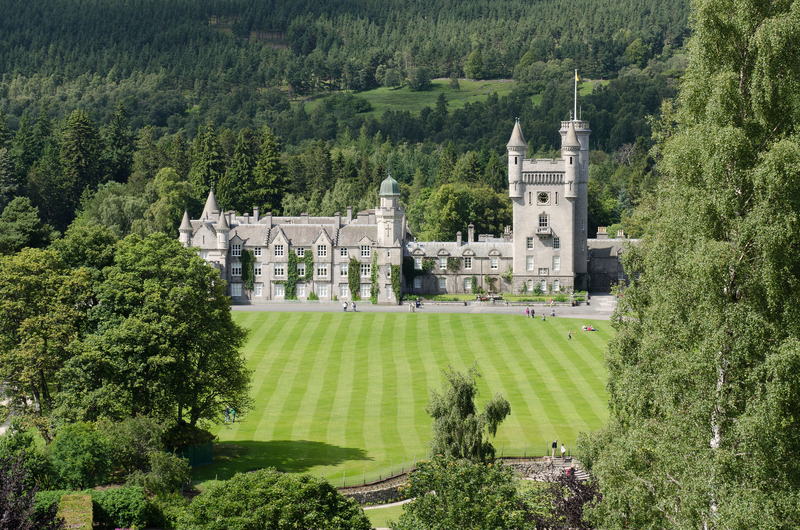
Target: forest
125	113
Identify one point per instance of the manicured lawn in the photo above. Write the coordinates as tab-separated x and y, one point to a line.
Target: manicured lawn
339	393
379	516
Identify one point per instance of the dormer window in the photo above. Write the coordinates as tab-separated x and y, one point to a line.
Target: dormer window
236	250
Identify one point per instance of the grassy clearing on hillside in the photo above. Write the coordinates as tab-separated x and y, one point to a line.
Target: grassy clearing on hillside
340	393
380	516
398	99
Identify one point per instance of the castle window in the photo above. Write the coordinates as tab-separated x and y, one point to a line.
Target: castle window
442	284
529	243
556	263
515	161
583	225
389	253
366	269
278	250
322	291
257	252
468	284
570	160
301	290
343	252
279	290
417	283
389	271
544	286
468	262
556	286
343	267
258	289
322	251
365	251
322	270
442	263
280	270
556	198
529	263
236	250
301	270
236	270
204	254
344	291
493	262
388	291
556	243
620	276
300	251
257	269
236	289
365	294
418	264
543	221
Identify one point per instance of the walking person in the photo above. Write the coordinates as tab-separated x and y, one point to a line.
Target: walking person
569	335
354	306
344	306
233	417
227	413
527	312
533	312
555	446
563	451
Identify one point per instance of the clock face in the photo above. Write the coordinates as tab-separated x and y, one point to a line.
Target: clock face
543	197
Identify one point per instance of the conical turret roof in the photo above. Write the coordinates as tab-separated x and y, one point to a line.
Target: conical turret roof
186	226
571	139
517	139
211	205
222	223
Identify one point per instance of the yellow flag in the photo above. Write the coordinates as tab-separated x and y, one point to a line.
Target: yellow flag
576	76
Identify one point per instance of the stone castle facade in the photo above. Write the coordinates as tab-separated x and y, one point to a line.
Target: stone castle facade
546	247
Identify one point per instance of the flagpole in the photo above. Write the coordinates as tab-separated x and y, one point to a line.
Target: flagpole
575	112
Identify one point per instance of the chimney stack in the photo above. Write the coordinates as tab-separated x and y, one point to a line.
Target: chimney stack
458	239
255	213
471	233
601	232
349	214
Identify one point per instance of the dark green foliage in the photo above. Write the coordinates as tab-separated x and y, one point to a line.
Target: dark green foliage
133	440
468	495
123	507
209	162
238	184
269	499
119	146
248	273
457	429
396	271
373	277
354	278
20	227
10	184
271	181
17	500
81	456
79	157
166	473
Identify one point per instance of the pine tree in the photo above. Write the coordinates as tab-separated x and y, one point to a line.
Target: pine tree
270	175
238	183
24	146
118	155
208	165
5	133
79	156
447	164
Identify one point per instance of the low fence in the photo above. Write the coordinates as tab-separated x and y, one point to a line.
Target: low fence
382	472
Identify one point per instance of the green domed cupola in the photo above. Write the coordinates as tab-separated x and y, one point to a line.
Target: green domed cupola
389	187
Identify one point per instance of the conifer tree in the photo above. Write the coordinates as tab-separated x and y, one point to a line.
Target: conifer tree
79	156
5	133
208	165
118	156
270	175
238	184
24	148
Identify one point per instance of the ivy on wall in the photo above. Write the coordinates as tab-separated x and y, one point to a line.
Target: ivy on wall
508	275
453	264
409	272
396	282
292	278
353	278
248	274
373	290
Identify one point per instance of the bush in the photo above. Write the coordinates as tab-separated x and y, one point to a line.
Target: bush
45	500
81	456
133	439
121	507
269	499
168	472
165	511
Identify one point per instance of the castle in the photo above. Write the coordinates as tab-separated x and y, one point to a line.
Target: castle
292	257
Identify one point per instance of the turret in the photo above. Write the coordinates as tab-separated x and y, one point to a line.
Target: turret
185	230
570	153
223	229
517	148
389	216
211	208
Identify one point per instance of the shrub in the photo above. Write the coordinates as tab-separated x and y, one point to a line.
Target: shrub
313	296
168	472
81	456
121	507
165	511
269	499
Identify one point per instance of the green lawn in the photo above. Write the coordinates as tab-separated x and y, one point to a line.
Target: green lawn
379	516
340	393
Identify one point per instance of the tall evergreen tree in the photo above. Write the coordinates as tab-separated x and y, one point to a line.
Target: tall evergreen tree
9	183
24	146
79	156
119	146
271	178
5	133
208	165
43	130
238	184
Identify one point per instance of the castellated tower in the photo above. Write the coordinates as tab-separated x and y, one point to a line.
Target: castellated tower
549	198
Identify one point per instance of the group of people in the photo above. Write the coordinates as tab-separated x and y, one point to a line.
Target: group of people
530	313
563	449
344	306
230	414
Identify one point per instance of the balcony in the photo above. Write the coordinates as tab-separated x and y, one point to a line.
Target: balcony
544	231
